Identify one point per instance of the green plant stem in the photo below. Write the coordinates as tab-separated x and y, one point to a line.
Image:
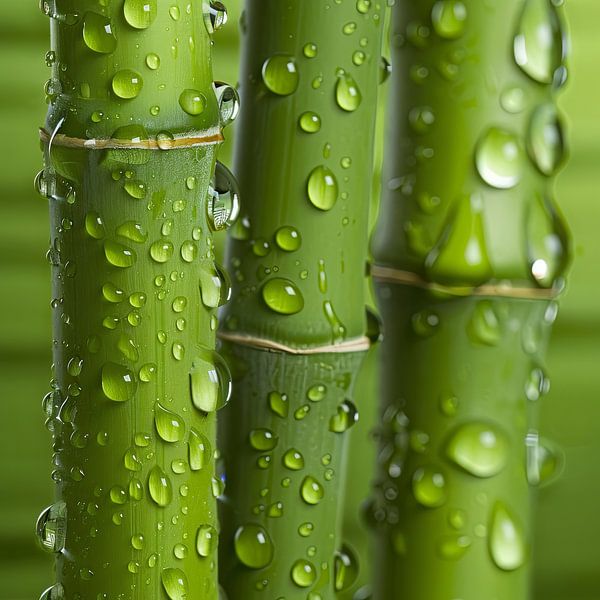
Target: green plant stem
469	251
304	161
135	481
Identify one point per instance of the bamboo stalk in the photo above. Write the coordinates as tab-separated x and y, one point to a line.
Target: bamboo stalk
470	253
130	145
297	256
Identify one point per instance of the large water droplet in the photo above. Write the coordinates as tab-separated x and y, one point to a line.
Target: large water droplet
210	380
282	296
215	286
345	568
223	205
506	540
159	486
98	34
280	74
539	44
118	382
303	573
192	102
253	546
293	460
499	158
311	491
215	15
310	122
263	439
206	540
94	226
140	14
175	583
479	448
322	188
228	101
199	450
545	140
449	18
119	255
169	425
484	326
132	230
279	404
288	238
51	527
429	486
127	84
161	251
347	93
460	256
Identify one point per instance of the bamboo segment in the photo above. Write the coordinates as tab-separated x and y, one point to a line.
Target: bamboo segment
135	380
297	257
470	250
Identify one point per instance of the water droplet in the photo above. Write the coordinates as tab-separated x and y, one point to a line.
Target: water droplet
484	326
210	380
192	102
545	140
51	527
322	188
279	404
499	158
136	189
449	18
119	255
228	101
97	33
118	382
479	448
460	256
293	460
215	286
310	50
280	74
429	486
199	450
132	461
132	230
512	99
161	251
303	573
317	392
152	61
223	206
506	540
425	323
148	372
346	417
421	118
345	568
127	84
175	583
311	490
94	226
539	44
282	296
169	425
310	122
363	6
253	546
206	540
140	14
347	93
55	592
137	541
453	547
263	439
215	15
159	486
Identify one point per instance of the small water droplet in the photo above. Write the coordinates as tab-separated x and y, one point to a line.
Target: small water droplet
303	573
499	158
223	206
506	540
169	425
215	15
345	417
429	486
161	251
98	34
127	84
199	450
263	439
449	18
545	139
322	188
293	460
346	568
310	122
282	296
311	491
192	102
347	93
280	74
119	255
228	101
215	286
279	404
206	540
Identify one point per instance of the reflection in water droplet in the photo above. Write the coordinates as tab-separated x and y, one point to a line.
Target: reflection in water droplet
484	326
199	450
215	15
253	546
215	286
346	417
506	540
223	205
346	568
228	101
479	448
51	527
280	74
192	102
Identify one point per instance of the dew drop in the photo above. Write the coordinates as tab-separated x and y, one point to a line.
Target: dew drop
499	158
136	189
175	583
345	417
453	547
132	230
169	425
449	18
199	450
127	84
280	74
303	573
223	205
140	14
310	122
210	380
484	326
293	460
253	546
228	101
263	439
282	296
97	33
215	15
161	251
118	382
322	188
192	102
159	486
506	539
279	404
51	527
429	487
119	255
94	226
346	568
311	491
215	286
545	139
206	540
55	592
347	93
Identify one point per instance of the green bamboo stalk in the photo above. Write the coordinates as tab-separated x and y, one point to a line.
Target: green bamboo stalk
470	250
130	144
296	326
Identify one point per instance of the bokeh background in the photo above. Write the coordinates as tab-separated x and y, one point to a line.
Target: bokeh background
567	544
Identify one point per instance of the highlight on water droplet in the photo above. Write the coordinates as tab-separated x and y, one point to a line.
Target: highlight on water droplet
253	546
215	15
280	74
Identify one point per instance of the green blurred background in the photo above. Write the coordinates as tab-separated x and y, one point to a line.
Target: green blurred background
567	545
